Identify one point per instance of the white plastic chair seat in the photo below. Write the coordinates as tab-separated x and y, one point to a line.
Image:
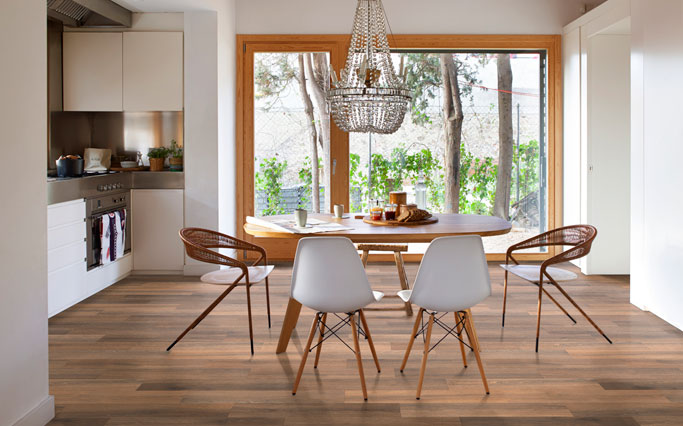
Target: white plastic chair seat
532	272
229	275
405	295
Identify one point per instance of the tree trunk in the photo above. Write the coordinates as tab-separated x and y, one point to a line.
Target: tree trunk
453	118
501	207
313	137
318	76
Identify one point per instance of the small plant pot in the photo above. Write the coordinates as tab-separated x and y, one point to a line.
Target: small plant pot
176	164
156	164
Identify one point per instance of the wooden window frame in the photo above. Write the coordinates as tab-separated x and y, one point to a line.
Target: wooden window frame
337	45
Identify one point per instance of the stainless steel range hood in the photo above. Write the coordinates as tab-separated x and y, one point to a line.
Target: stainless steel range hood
89	13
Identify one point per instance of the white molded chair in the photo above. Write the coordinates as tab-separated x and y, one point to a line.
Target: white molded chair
453	277
328	276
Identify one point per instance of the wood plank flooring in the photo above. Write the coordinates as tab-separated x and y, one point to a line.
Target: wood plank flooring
108	364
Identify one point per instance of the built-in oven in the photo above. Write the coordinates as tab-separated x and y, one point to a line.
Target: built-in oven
102	205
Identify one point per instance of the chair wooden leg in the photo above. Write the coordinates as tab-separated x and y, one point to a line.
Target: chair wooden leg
538	319
359	361
268	301
412	339
474	332
321	335
425	355
251	327
582	312
202	316
403	279
505	294
470	330
364	258
369	337
458	322
305	354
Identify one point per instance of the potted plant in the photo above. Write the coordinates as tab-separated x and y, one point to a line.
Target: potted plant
176	153
157	156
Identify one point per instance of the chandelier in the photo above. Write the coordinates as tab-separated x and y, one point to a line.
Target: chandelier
368	96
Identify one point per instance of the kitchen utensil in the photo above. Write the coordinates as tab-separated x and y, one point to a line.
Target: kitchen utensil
68	167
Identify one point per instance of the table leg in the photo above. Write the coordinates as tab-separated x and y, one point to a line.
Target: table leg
288	325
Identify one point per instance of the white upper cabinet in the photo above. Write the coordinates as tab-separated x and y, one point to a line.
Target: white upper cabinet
152	71
93	78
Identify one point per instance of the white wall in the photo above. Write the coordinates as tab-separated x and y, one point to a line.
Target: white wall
201	124
657	149
410	17
210	120
572	176
23	289
227	80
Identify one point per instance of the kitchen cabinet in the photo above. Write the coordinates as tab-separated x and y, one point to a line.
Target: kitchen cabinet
152	71
157	216
131	71
66	255
92	72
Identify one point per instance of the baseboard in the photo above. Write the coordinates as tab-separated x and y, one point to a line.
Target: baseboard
40	415
198	270
153	272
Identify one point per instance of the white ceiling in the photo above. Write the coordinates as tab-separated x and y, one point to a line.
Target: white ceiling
188	5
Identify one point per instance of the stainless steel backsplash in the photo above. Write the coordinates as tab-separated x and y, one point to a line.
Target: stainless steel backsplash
124	133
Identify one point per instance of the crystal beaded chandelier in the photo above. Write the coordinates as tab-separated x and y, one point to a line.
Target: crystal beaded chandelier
368	96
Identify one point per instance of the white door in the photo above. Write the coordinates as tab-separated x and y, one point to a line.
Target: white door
93	77
609	152
153	71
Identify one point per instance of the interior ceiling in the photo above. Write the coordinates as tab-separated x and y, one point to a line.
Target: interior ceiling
188	5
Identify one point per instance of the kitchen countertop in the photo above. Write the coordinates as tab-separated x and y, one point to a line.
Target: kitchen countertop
66	189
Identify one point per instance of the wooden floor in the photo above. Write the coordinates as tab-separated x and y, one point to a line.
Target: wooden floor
108	364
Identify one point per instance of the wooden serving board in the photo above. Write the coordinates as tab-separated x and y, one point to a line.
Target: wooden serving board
129	169
383	222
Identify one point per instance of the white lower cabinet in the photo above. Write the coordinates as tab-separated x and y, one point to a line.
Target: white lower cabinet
157	216
68	280
66	255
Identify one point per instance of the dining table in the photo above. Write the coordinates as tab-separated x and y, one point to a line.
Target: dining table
358	231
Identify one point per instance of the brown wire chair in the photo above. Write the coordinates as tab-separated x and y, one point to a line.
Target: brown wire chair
580	238
199	244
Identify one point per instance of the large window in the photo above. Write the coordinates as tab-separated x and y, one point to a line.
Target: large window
495	120
291	131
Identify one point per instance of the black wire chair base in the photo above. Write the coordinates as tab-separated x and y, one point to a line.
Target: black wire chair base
452	331
332	331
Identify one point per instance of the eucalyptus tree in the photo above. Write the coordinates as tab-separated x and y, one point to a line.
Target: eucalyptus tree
428	74
273	73
501	207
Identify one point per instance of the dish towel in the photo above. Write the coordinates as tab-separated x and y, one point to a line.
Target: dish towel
106	232
120	233
112	236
